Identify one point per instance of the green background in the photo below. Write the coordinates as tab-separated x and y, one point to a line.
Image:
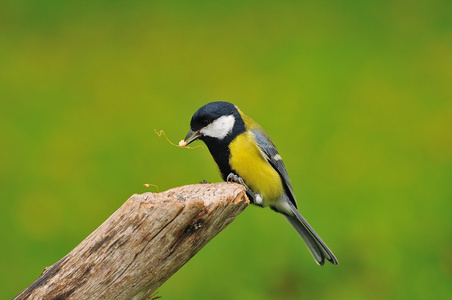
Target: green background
356	94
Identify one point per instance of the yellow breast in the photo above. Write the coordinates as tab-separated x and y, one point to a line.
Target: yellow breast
250	164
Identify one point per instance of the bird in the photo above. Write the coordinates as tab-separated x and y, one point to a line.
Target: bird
245	153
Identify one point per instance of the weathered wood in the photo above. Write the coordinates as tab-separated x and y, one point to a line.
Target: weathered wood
142	244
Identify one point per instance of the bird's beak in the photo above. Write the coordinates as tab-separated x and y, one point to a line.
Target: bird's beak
192	136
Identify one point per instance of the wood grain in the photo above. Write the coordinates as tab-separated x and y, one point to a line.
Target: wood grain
142	244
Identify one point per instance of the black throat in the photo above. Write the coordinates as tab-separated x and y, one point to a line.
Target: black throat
219	148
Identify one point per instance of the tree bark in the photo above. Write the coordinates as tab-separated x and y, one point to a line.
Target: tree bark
142	244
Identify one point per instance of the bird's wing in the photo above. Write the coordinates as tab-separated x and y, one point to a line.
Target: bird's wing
270	152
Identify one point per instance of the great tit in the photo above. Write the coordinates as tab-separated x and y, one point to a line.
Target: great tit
244	153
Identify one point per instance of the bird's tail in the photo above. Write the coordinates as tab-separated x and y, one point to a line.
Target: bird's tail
316	246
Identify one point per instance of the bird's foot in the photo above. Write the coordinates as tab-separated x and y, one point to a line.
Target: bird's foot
254	198
235	178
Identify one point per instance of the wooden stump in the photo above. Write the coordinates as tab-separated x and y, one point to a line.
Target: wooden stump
142	244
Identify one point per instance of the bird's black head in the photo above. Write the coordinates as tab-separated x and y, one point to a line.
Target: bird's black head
215	121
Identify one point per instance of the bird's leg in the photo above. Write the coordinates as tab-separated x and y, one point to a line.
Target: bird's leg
237	179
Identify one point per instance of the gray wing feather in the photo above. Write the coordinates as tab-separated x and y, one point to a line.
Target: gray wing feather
270	152
316	246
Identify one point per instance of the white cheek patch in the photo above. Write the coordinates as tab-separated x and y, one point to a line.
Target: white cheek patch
220	127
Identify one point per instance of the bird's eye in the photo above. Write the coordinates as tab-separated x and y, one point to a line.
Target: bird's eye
205	122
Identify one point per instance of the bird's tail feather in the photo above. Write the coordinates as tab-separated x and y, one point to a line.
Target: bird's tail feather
316	246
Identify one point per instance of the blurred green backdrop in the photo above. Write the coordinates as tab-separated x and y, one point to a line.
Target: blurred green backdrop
356	94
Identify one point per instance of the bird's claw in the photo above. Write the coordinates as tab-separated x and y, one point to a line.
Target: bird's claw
235	178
